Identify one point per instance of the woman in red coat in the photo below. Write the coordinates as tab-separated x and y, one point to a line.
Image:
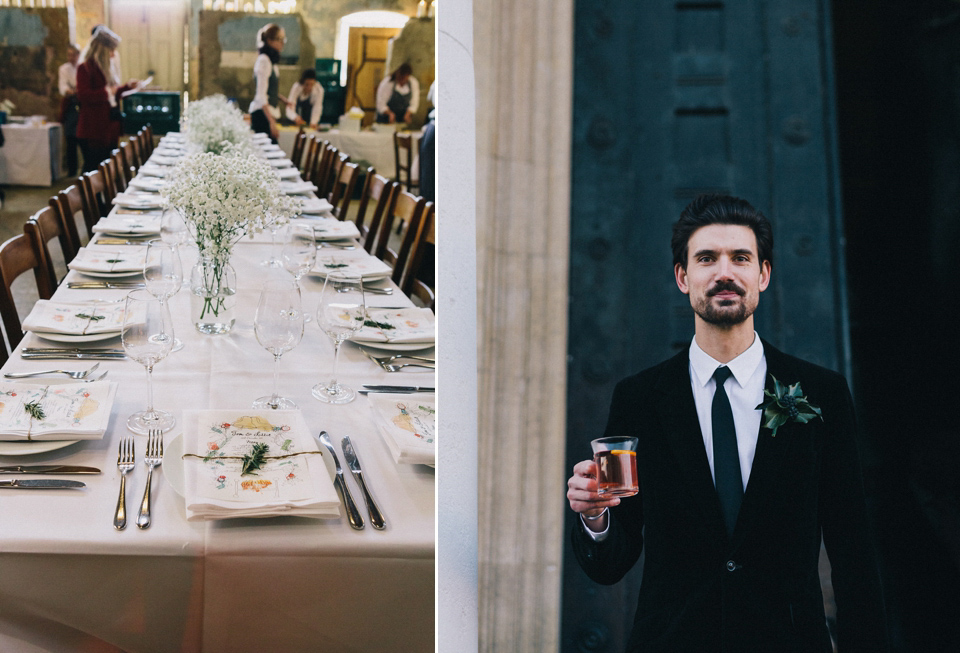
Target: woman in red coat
99	91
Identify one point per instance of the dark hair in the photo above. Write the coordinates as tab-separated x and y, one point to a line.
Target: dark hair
266	33
720	209
402	69
308	73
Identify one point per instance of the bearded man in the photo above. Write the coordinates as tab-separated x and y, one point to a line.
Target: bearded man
733	498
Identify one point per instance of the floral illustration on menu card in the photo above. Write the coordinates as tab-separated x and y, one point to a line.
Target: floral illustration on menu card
225	442
63	407
417	419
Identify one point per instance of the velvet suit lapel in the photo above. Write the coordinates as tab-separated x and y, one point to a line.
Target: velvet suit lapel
678	415
768	459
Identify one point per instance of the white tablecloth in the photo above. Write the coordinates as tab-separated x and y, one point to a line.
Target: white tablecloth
73	582
31	155
375	147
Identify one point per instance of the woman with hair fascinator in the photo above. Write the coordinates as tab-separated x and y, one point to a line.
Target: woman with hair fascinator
264	109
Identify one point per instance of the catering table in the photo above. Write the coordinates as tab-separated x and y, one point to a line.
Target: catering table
375	147
73	582
31	154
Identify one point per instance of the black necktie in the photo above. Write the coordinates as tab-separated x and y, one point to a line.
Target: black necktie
726	459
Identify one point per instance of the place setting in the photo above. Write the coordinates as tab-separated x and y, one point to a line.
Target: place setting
357	262
138	200
75	322
109	262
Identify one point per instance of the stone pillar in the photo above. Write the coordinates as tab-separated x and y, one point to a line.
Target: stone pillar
523	67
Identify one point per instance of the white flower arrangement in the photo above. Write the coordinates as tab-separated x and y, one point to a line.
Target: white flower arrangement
214	124
224	197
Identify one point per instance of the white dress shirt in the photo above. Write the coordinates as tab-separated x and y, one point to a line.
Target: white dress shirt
316	99
745	392
67	79
262	69
385	90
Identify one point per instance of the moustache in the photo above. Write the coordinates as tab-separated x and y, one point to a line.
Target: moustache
725	286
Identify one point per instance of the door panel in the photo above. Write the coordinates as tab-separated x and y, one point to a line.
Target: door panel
367	66
152	34
672	99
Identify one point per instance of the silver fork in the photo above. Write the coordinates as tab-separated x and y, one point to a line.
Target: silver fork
73	375
126	460
380	360
153	459
396	368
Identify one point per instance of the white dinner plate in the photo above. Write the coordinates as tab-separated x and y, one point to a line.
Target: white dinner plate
32	447
173	464
70	337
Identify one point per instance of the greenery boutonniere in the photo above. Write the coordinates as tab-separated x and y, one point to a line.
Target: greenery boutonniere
786	404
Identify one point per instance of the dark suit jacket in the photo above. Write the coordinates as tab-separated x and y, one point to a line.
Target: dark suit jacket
761	591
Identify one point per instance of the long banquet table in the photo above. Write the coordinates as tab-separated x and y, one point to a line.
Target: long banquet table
73	582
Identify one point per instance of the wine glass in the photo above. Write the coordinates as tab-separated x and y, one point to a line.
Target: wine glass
274	260
163	275
340	315
146	337
278	326
299	253
173	228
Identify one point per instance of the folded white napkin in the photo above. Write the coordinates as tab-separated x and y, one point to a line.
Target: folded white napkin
214	488
329	228
278	162
69	411
164	159
74	318
411	325
143	224
138	200
296	187
316	205
155	170
355	261
144	182
105	259
408	425
287	173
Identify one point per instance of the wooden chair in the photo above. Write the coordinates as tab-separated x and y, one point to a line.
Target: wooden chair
148	132
343	189
146	145
96	205
110	189
18	255
381	192
403	159
425	295
322	168
69	202
312	152
41	228
326	186
298	142
120	171
131	157
406	206
406	262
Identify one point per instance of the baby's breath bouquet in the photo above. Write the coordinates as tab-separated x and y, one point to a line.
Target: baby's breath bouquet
214	124
222	198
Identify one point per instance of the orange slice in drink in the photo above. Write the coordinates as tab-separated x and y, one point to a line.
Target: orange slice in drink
620	452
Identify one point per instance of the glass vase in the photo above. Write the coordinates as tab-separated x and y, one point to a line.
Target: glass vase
213	301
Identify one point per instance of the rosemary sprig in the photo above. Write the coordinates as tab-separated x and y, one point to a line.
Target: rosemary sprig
256	459
34	409
114	260
376	325
95	318
334	265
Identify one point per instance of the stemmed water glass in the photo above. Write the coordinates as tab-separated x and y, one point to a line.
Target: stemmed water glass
163	275
341	314
173	228
274	260
299	253
278	326
147	338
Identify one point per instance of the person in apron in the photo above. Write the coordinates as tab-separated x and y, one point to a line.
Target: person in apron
398	96
69	107
264	109
305	102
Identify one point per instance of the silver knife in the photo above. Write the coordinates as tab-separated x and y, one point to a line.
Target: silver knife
44	484
48	469
109	285
65	355
353	515
376	517
72	350
397	388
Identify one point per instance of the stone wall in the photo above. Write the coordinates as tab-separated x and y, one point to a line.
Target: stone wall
416	45
321	17
33	44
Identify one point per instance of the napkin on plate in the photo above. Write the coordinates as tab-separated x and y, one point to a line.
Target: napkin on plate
74	318
410	325
96	259
352	261
316	205
296	187
280	163
214	487
164	160
408	425
68	411
329	228
287	173
155	170
148	183
137	200
121	223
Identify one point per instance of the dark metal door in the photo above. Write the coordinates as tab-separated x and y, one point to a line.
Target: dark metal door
672	99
